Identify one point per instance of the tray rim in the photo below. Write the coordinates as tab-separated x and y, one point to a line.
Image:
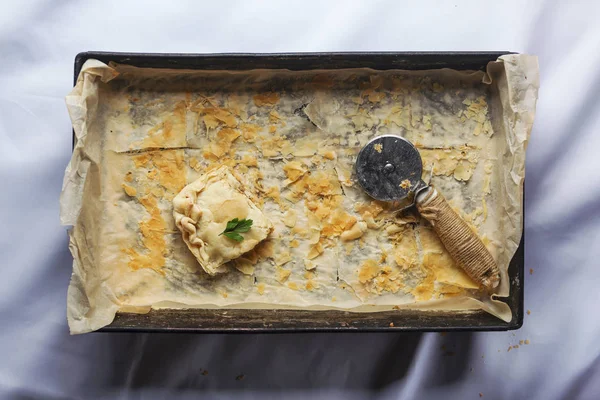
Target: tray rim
407	318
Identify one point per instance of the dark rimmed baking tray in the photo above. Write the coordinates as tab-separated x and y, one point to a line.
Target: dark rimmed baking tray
231	320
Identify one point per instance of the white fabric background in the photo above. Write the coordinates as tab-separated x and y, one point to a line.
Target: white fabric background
38	359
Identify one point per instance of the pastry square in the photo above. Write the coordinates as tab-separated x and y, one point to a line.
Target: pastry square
202	210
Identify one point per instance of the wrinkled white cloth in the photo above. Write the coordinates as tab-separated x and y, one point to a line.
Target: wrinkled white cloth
38	359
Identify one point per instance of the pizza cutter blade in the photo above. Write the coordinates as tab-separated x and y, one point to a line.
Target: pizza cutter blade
389	168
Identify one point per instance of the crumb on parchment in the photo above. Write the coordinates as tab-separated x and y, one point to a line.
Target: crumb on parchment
131	191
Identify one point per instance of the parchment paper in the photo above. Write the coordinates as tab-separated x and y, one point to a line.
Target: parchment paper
291	138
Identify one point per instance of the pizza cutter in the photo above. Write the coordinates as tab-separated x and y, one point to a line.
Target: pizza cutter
389	168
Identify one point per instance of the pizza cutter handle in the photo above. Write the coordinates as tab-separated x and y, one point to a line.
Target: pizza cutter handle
465	247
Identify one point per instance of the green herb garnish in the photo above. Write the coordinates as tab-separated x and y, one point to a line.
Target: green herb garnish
235	227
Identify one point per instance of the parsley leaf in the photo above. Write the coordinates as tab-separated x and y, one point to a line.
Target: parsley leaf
231	225
243	226
235	227
234	236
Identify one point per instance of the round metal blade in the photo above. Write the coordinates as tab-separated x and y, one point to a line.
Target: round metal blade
389	168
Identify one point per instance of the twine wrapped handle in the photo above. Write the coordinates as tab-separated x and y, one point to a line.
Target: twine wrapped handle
465	247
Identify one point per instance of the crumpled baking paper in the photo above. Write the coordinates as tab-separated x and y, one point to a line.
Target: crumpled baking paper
143	134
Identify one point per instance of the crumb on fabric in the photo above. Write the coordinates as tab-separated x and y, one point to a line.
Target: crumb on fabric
240	377
530	271
527	341
391	324
480	394
205	372
528	312
378	147
521	342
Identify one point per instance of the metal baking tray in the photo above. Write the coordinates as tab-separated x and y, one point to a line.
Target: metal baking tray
231	320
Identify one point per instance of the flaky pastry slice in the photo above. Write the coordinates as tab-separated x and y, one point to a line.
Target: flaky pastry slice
202	210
